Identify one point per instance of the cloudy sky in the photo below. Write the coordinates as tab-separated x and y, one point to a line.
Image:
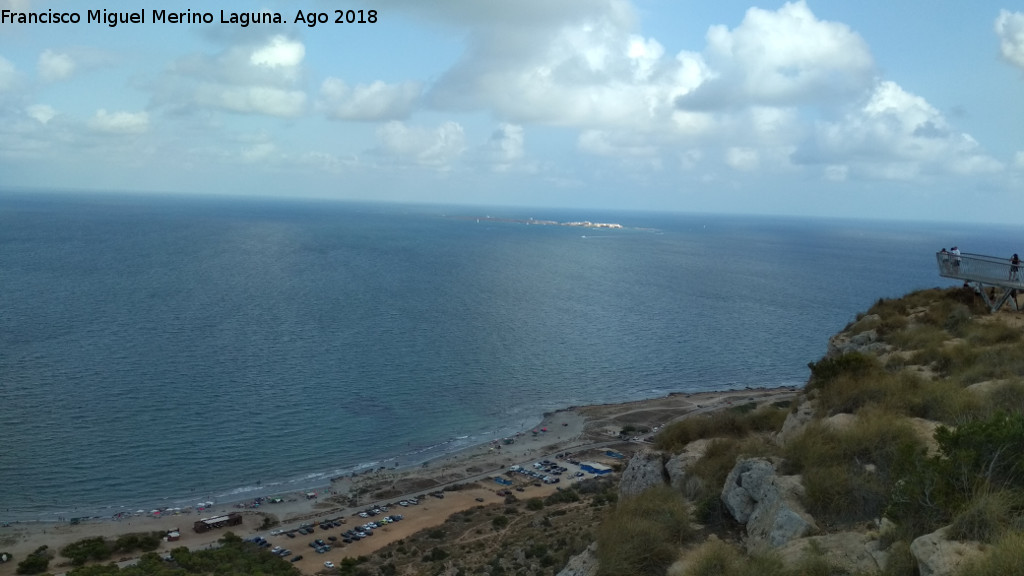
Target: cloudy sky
895	108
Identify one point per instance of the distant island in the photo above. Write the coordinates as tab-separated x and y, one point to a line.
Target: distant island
581	223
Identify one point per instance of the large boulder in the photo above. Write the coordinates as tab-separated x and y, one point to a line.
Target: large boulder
645	470
937	555
582	564
768	504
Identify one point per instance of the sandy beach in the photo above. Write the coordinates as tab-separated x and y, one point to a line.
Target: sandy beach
589	433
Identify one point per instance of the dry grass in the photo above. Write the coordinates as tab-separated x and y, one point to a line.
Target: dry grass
733	423
643	535
1003	559
849	474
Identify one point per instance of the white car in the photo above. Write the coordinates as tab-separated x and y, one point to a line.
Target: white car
329	564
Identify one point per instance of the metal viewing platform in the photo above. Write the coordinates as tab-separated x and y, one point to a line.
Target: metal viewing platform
986	273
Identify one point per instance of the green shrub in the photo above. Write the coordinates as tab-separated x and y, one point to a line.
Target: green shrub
918	503
35	563
985	452
534	504
564	496
853	364
499	522
87	549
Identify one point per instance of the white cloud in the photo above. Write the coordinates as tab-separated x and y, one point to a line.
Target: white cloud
249	78
279	52
505	147
252	99
55	66
120	122
413	145
785	57
41	113
1018	160
895	135
578	65
368	102
1010	29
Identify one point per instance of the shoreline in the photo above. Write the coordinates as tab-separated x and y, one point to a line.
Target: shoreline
590	429
310	482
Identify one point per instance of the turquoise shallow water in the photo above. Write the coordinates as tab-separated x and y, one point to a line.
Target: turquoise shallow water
163	351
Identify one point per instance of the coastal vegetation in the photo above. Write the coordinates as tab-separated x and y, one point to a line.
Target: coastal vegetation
99	549
233	556
37	562
918	426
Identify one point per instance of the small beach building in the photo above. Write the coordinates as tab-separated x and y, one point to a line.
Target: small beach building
595	468
207	524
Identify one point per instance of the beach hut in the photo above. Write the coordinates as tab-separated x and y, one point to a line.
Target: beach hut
207	524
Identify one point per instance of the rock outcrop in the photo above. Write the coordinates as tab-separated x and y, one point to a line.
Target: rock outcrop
937	555
857	338
645	470
847	552
796	421
582	564
767	503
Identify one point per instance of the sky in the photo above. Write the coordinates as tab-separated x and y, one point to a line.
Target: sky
896	109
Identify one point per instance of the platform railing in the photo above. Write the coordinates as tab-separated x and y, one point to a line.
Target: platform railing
979	268
984	271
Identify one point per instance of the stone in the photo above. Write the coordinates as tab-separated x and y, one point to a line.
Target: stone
768	504
677	468
937	555
645	470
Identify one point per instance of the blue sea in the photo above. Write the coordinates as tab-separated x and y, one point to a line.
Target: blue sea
161	351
